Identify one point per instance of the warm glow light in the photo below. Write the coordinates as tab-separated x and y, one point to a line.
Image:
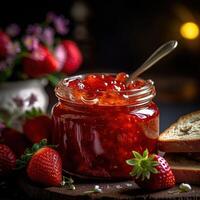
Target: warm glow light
189	30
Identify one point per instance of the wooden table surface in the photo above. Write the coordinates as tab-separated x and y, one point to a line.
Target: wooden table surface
23	189
123	190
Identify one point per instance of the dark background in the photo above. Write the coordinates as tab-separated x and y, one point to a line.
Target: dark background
119	35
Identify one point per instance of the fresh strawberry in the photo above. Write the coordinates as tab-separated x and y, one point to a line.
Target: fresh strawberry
69	56
44	164
151	172
39	62
37	126
45	167
15	140
5	45
7	160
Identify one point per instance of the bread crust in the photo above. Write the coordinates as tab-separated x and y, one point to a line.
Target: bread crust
184	169
179	145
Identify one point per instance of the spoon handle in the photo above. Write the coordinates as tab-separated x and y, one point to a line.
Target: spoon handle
155	57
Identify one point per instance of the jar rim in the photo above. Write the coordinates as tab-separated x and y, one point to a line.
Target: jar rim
141	95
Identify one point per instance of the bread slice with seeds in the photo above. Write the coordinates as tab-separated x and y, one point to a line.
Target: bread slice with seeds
182	136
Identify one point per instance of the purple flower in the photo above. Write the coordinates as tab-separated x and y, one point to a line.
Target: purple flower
31	42
34	29
13	30
47	36
61	25
18	101
32	99
14	48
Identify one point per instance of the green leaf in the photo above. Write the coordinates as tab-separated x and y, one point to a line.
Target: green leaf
138	174
155	163
130	162
43	142
6	74
35	147
143	165
145	153
154	170
68	182
34	112
29	152
137	155
137	169
148	175
55	78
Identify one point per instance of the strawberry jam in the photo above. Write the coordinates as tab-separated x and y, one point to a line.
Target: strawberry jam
99	120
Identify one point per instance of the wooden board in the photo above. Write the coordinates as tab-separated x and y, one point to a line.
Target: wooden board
124	190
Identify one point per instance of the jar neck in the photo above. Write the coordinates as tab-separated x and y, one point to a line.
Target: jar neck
133	97
142	96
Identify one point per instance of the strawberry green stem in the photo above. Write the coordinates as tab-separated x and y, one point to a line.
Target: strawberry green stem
143	165
29	152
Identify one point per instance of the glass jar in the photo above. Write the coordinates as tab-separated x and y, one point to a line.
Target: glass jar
95	140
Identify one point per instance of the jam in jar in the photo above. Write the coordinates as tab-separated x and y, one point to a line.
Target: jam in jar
99	120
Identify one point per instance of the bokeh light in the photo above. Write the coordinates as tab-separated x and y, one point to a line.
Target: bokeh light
189	30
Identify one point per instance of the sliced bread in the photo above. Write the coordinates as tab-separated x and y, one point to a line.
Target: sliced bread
182	136
185	169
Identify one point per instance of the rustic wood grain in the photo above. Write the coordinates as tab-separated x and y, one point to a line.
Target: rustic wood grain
124	190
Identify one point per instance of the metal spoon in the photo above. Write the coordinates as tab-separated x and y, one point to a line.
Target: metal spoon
159	53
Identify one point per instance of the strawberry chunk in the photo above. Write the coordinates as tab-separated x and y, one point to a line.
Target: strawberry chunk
106	88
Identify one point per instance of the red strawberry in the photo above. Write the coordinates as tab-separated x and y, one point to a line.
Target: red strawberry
39	62
37	126
15	140
7	160
45	167
69	56
44	164
5	45
151	172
